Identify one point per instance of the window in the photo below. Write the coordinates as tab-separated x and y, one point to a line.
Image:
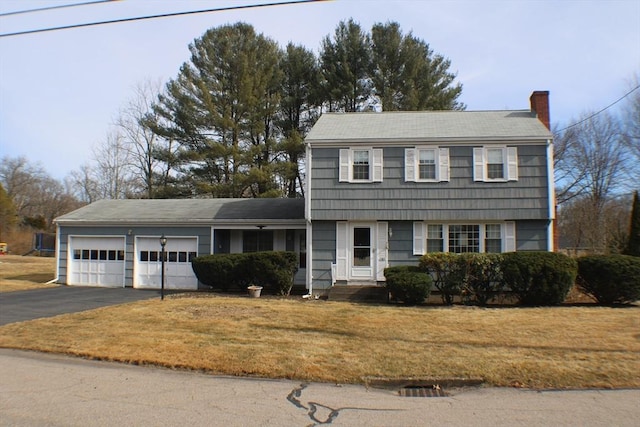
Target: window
495	163
493	238
463	238
492	164
426	164
362	247
435	243
257	241
360	165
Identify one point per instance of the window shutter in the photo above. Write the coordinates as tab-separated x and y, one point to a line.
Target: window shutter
382	250
377	164
478	164
409	164
512	162
342	235
418	238
443	164
510	236
345	165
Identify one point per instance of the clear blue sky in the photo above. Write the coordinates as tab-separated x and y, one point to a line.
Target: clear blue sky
60	91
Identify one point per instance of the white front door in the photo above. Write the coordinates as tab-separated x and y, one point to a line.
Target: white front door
361	251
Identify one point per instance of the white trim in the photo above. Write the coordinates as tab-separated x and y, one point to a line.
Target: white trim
309	278
307	196
551	180
58	253
342	250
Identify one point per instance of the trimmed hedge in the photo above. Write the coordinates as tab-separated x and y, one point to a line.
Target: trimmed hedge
408	284
539	278
273	271
610	279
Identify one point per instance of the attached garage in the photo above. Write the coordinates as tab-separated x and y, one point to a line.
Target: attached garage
96	261
179	252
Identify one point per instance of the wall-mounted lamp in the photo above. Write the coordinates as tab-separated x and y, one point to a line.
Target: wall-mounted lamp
390	232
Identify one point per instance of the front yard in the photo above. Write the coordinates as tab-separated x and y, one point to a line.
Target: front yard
561	347
551	347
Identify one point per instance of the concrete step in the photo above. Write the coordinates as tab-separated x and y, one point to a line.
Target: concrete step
357	293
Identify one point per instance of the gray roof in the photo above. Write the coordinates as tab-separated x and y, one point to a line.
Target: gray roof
187	211
427	126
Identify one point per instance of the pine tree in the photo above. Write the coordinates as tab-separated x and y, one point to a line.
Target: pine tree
633	247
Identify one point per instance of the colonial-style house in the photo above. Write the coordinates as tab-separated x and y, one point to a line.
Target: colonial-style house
382	189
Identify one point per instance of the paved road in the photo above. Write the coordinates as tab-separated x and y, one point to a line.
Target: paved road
52	390
47	302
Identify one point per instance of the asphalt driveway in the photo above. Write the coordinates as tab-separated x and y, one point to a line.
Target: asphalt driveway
48	302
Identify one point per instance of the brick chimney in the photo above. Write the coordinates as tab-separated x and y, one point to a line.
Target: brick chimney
540	105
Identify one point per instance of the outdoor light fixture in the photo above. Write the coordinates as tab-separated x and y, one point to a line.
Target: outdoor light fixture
163	243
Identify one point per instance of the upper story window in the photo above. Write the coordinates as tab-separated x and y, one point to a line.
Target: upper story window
495	164
426	164
360	165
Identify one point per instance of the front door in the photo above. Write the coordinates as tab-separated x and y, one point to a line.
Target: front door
361	251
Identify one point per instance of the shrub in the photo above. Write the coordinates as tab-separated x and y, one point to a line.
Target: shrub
482	276
610	279
408	284
539	278
272	270
446	273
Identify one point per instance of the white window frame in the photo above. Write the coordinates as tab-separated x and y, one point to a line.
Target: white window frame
412	164
480	162
345	173
507	235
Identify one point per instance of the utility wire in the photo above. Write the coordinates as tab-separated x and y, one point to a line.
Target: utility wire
164	15
604	109
18	12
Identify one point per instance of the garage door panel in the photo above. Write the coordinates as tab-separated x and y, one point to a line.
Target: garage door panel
96	261
178	271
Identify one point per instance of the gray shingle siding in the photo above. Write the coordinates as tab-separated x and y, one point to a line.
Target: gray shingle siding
459	199
324	253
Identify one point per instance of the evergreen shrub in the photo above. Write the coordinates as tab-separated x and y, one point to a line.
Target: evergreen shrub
610	279
408	284
539	278
482	276
273	270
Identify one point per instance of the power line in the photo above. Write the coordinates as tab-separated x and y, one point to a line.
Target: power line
41	9
164	15
604	109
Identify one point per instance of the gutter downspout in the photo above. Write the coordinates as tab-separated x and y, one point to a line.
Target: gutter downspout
551	230
307	217
57	256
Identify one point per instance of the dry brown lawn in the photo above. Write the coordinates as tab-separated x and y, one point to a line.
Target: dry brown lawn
19	273
561	347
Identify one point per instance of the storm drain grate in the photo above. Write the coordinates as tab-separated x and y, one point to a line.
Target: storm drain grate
422	391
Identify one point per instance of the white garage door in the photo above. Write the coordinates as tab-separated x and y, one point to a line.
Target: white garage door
96	261
178	271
